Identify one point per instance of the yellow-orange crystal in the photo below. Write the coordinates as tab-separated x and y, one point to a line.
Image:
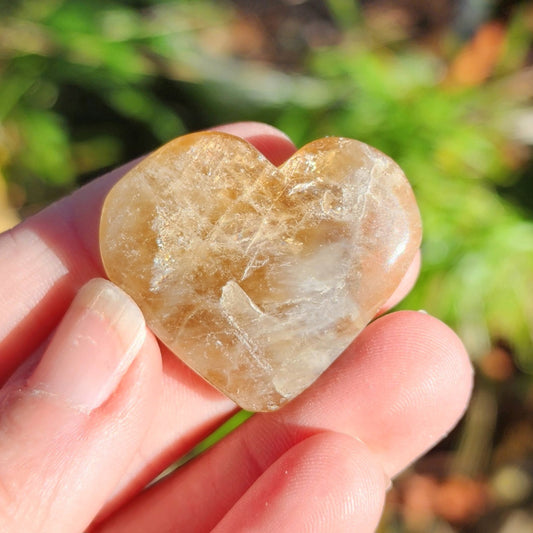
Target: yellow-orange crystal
258	277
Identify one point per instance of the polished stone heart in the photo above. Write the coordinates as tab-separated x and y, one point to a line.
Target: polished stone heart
259	277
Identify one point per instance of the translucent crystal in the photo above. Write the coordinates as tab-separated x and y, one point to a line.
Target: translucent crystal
258	277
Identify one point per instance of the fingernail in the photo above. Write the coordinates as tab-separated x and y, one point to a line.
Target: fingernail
93	347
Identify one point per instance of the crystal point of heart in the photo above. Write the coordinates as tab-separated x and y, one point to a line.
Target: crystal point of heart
258	277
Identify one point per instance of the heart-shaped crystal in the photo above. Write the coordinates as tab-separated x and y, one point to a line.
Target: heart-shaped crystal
259	277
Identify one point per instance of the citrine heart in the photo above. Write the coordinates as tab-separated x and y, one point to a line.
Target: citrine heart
259	277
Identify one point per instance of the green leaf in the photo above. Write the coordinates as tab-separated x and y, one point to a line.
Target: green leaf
45	146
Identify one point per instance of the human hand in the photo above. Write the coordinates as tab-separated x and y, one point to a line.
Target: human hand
89	418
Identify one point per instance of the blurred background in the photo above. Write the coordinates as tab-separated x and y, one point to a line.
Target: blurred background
444	87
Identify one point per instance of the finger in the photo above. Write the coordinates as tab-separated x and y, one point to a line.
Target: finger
270	141
328	482
399	388
44	260
69	430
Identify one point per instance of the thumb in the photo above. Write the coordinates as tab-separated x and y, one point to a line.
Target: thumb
69	431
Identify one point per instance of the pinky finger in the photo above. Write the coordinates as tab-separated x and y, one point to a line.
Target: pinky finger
329	482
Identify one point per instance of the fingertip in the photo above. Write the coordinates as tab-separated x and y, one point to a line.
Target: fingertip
251	128
401	386
433	340
426	378
91	350
270	141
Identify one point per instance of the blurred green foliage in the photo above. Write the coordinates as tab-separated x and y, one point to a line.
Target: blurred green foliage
87	85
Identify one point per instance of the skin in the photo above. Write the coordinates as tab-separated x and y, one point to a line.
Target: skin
73	459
